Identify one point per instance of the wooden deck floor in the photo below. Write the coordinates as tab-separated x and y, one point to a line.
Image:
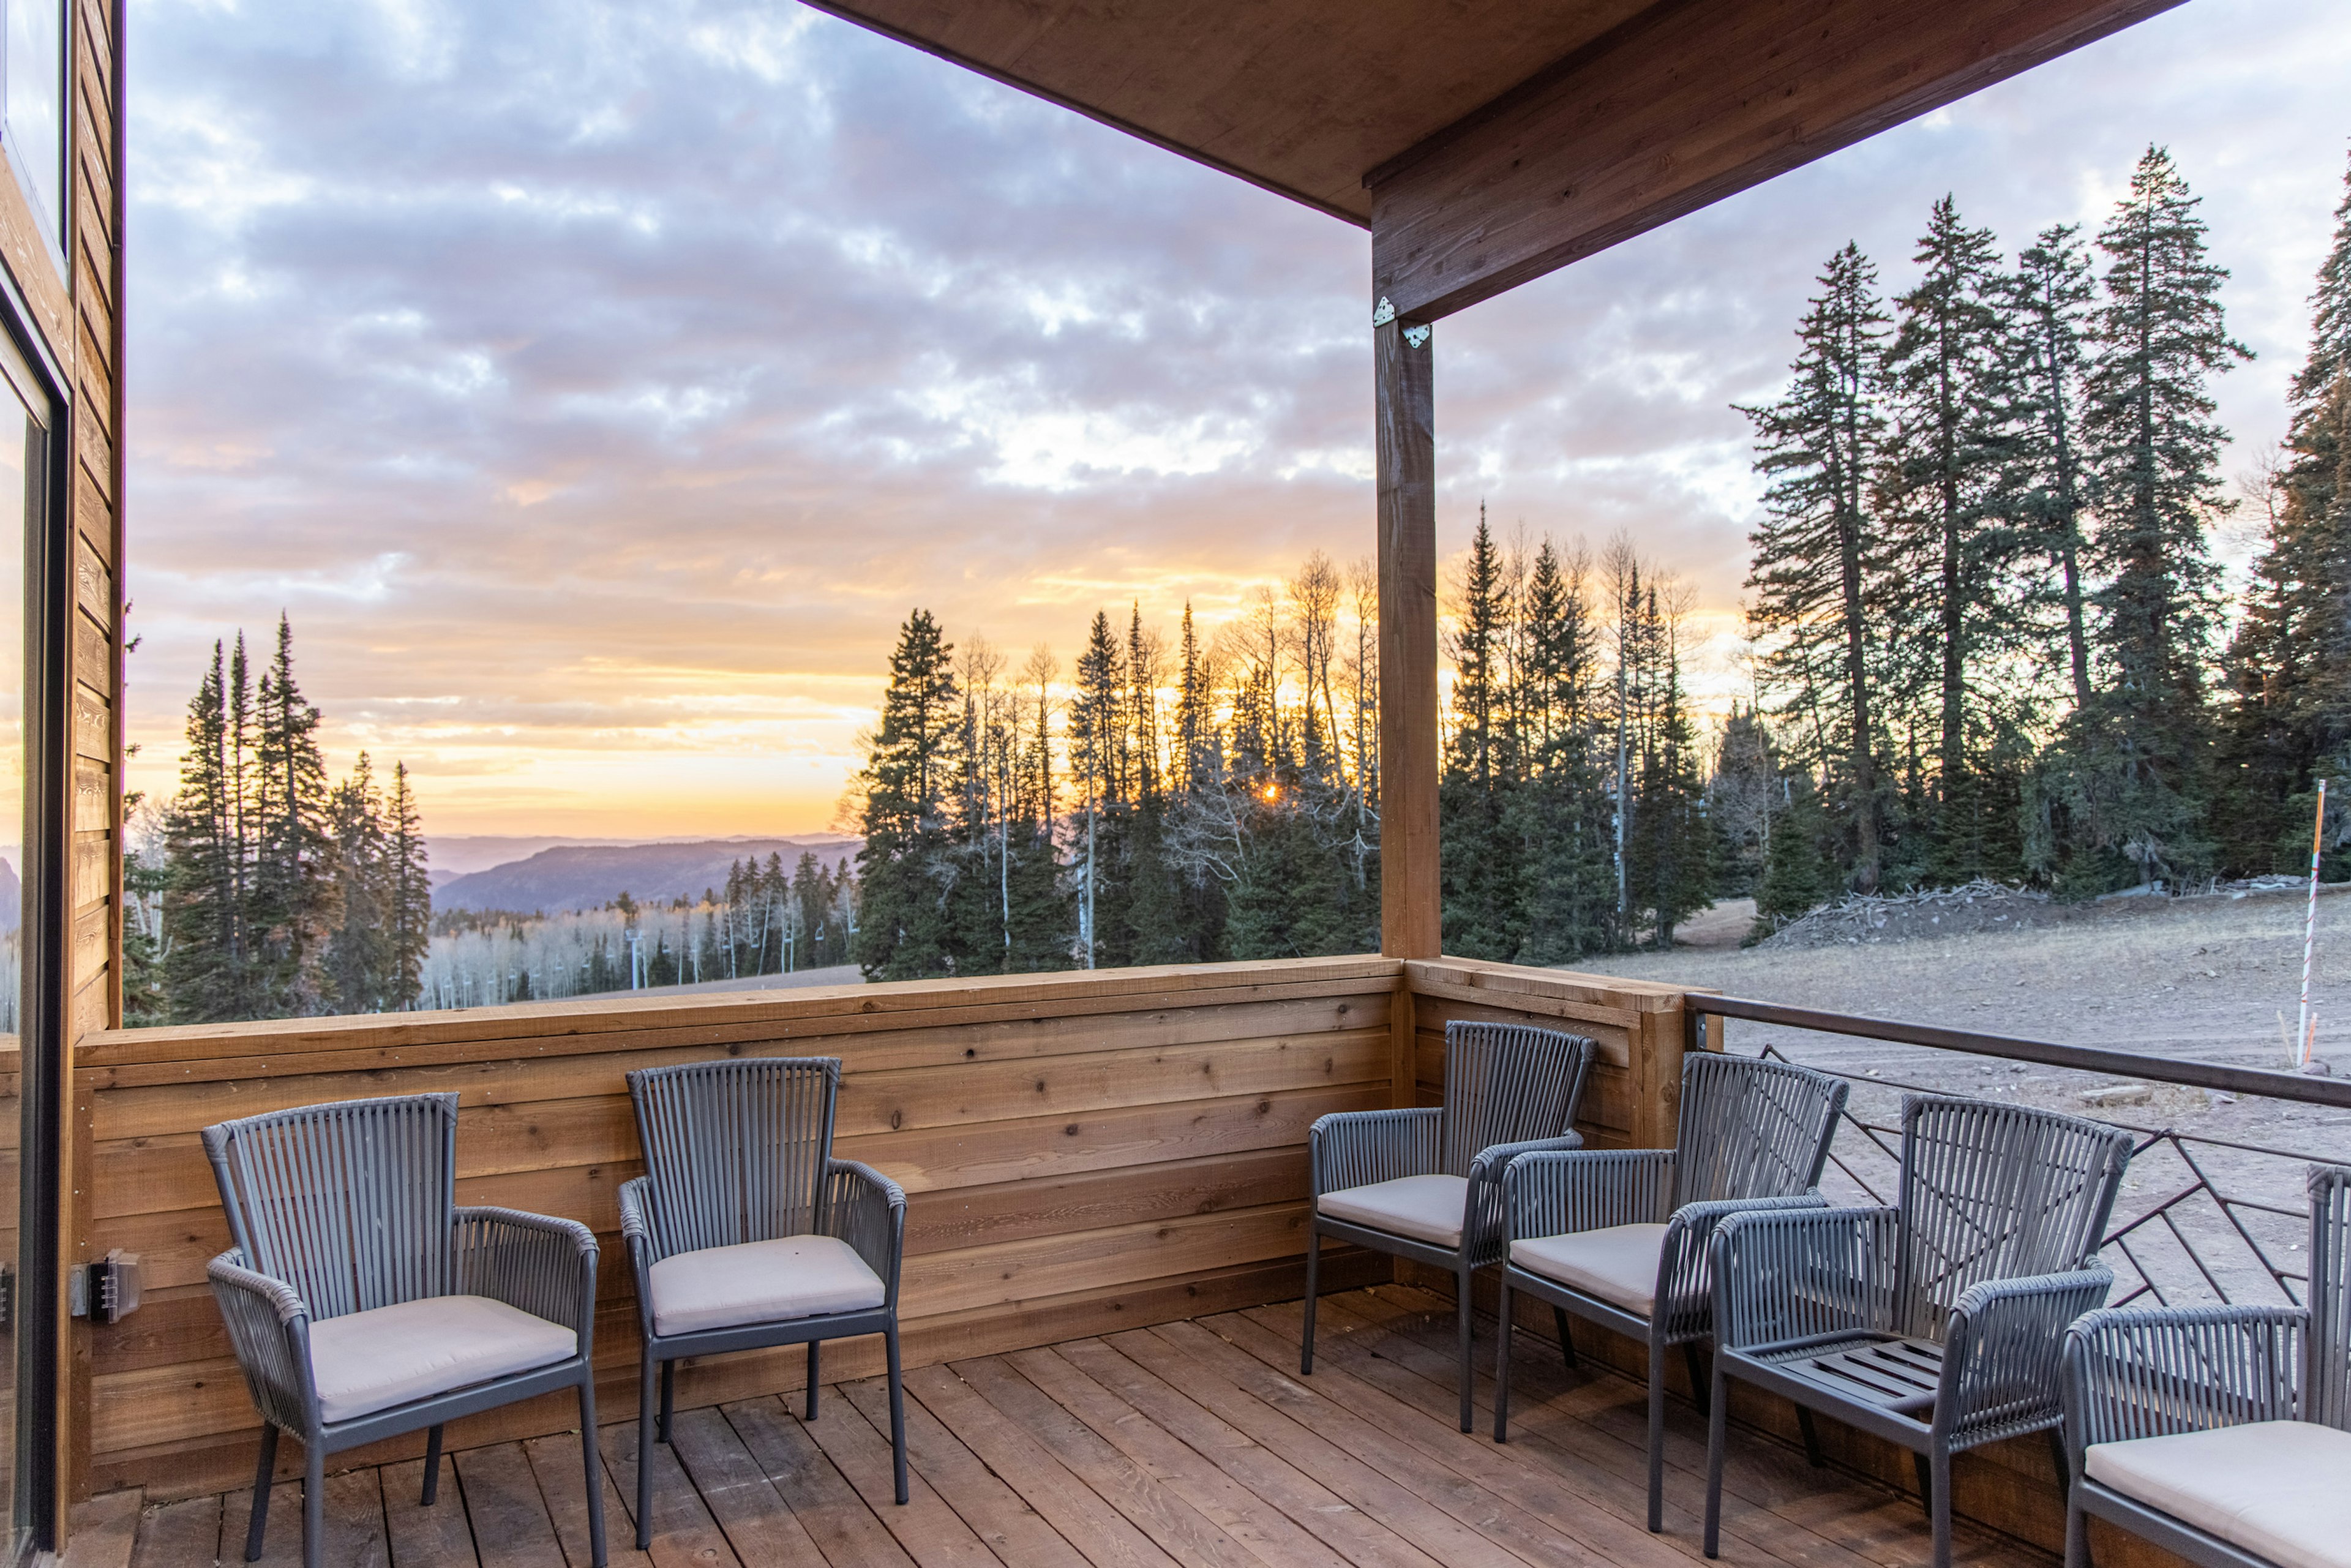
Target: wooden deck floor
1194	1443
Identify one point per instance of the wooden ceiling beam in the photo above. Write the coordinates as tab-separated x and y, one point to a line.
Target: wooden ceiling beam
1687	104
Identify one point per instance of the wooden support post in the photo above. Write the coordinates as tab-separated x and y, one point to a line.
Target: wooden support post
1403	404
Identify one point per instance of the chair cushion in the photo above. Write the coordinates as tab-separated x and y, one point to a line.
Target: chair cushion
761	1282
371	1361
1617	1265
1425	1208
2277	1489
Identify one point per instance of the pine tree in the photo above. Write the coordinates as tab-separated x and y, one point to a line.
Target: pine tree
1949	452
1797	877
1817	577
409	873
2129	785
210	968
360	971
2050	299
903	931
294	889
1478	872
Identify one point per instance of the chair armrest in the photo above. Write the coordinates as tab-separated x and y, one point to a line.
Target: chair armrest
868	1210
1685	1301
1484	1228
1567	1190
269	1331
2003	1350
1787	1274
533	1262
1356	1148
2148	1372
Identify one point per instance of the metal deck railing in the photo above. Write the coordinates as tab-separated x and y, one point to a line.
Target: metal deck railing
2212	1210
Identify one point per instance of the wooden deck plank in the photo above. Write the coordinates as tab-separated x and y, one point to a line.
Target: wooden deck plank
178	1533
1346	1504
1433	1459
1269	1533
683	1532
1161	1511
105	1530
555	1463
1191	1443
512	1528
836	1519
1002	1518
760	1524
1105	1537
927	1528
436	1537
1563	1412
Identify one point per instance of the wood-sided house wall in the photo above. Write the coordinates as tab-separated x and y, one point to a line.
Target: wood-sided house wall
75	310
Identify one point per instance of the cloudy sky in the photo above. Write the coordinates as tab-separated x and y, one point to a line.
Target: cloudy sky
598	385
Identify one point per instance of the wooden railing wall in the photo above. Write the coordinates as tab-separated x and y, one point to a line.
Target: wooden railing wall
1078	1150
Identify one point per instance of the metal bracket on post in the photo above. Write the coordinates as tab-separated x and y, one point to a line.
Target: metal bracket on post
1416	337
1382	313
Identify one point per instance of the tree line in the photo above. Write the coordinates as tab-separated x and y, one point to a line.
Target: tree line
767	920
275	892
1990	634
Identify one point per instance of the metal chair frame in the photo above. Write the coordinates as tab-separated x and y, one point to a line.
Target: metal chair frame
1509	1090
345	1207
1750	1133
2146	1372
738	1151
1938	1324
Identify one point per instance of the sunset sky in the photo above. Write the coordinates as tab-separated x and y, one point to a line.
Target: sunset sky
597	386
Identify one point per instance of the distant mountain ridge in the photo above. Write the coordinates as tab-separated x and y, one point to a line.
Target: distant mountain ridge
586	877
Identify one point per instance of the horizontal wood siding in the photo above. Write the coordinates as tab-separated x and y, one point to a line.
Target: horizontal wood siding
1635	1092
1081	1153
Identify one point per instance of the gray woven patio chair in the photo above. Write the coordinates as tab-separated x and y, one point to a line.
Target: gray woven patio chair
2219	1433
1426	1183
363	1302
1618	1236
746	1233
1937	1325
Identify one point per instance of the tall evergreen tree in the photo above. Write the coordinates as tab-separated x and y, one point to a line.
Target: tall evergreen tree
1817	573
294	890
2131	779
903	931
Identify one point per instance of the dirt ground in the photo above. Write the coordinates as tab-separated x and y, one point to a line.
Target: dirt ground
2205	977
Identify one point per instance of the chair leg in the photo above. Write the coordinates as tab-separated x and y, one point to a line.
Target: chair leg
1717	1422
2063	1461
314	1508
897	1411
591	1467
1926	1475
815	1376
2077	1535
432	1465
258	1516
1698	1375
1503	1369
668	1397
1939	1506
646	1399
1805	1425
1466	1333
1657	1432
1313	1272
1566	1336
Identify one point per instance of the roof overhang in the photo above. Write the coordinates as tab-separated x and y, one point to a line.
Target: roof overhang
1485	143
